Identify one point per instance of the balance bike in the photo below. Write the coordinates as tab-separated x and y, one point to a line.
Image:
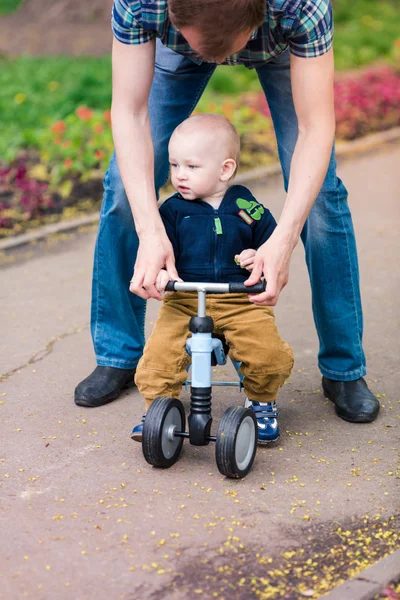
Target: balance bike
164	426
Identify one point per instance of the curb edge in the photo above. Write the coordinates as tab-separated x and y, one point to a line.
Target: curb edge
369	582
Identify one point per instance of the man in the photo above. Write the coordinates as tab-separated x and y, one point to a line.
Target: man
164	53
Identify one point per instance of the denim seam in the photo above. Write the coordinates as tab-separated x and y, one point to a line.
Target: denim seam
97	252
96	266
274	122
352	282
362	369
104	361
359	371
201	89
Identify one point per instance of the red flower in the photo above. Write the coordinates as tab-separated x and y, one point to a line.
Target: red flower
58	127
99	154
107	115
98	127
68	162
84	113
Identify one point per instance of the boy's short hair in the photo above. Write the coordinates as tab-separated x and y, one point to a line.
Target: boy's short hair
219	21
222	127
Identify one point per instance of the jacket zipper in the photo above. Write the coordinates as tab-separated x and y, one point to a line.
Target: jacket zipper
218	231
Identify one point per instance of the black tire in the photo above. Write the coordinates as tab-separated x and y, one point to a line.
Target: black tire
236	444
158	449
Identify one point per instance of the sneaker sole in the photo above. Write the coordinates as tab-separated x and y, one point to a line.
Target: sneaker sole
358	419
267	442
105	399
137	437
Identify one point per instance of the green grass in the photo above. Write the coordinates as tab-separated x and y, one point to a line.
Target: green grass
35	92
364	31
8	6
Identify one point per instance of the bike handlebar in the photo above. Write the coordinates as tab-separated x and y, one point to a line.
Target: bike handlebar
215	288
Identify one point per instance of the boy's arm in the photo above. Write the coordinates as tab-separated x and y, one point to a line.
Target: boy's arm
245	259
168	217
263	228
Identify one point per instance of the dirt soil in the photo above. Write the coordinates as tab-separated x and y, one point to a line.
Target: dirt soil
42	27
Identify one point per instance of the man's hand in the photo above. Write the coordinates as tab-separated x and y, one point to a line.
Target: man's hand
246	259
272	259
155	253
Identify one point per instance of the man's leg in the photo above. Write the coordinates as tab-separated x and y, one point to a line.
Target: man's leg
331	257
117	317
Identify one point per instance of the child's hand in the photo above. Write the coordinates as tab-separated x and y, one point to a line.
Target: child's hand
246	259
162	280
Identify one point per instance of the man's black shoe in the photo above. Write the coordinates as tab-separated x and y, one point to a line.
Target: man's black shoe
103	385
353	400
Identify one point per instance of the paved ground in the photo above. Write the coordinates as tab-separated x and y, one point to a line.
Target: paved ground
82	515
54	27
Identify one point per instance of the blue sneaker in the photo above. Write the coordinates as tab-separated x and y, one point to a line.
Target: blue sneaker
267	424
137	432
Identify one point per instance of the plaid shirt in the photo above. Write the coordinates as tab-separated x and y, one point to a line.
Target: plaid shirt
306	26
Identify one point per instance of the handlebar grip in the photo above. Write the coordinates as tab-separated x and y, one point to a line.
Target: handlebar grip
233	288
170	287
240	288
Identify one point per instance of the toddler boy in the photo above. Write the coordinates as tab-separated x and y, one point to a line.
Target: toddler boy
215	230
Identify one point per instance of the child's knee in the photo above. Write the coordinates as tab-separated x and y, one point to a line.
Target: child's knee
275	357
150	380
287	357
153	381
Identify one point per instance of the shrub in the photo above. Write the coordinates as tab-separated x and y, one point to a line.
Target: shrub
368	103
79	146
22	198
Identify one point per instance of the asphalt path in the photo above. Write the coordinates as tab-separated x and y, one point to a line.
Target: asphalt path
83	516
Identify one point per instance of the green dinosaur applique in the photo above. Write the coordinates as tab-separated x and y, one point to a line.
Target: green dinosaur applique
251	210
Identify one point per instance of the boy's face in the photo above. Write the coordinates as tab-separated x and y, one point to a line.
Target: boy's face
196	159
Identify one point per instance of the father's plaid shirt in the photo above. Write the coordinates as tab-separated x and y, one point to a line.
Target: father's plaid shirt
306	26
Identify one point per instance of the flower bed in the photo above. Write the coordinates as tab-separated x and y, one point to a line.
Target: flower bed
61	178
363	104
390	592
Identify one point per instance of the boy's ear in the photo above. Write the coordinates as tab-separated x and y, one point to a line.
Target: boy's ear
228	169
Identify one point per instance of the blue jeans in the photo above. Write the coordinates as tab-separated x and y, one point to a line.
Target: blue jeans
117	320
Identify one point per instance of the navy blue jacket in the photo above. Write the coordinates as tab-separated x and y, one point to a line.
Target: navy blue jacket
205	240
